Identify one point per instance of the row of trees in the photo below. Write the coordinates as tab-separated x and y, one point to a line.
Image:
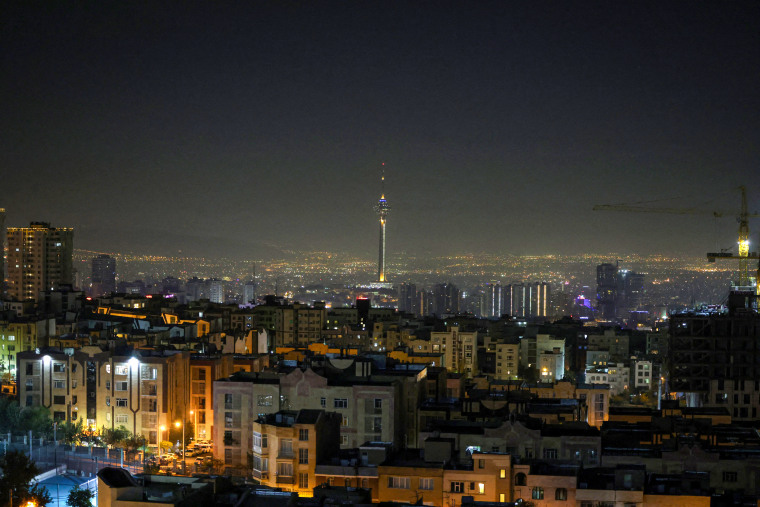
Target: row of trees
17	420
14	419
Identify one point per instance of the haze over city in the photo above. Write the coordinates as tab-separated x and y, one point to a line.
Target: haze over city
245	131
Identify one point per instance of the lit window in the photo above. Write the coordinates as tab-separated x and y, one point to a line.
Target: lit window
399	482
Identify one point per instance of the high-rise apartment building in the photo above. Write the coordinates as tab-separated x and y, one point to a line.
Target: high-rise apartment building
39	259
458	348
445	299
407	298
606	289
2	253
494	300
195	289
618	291
249	293
630	292
103	275
216	291
527	299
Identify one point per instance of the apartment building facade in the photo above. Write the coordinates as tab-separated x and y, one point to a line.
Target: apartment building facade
287	446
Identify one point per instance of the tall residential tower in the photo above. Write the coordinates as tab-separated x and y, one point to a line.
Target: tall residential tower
40	258
382	209
103	275
2	253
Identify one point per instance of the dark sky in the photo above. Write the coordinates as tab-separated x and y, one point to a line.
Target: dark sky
232	127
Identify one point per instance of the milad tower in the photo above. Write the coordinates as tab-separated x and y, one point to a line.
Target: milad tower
382	209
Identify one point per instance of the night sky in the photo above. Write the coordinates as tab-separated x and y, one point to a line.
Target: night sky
238	129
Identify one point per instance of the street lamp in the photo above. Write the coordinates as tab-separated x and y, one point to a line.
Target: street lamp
195	425
183	440
160	435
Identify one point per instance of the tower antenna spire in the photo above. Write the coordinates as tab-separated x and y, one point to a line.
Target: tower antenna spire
382	182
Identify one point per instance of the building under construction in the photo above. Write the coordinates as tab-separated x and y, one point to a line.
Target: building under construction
715	356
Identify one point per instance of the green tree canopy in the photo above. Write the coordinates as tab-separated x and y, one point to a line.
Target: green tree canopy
116	437
10	413
528	374
71	433
36	419
134	443
80	497
18	472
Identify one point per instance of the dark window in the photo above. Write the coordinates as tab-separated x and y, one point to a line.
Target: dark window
520	479
560	494
59	400
538	493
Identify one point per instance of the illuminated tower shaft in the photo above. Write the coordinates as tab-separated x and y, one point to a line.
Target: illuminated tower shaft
382	209
381	259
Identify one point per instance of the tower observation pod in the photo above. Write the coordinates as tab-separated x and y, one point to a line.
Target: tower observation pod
382	208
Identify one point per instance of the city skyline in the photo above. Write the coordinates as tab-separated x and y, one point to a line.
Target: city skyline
257	129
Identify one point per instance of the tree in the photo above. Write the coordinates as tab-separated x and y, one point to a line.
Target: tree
151	468
79	497
71	433
90	436
216	465
18	472
165	445
571	377
115	437
528	374
10	413
37	419
133	444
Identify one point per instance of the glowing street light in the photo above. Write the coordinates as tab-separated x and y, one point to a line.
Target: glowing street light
177	424
160	436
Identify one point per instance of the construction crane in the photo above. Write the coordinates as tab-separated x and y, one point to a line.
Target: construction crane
744	254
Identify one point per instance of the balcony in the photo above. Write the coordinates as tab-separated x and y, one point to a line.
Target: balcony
286	454
285	479
258	474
